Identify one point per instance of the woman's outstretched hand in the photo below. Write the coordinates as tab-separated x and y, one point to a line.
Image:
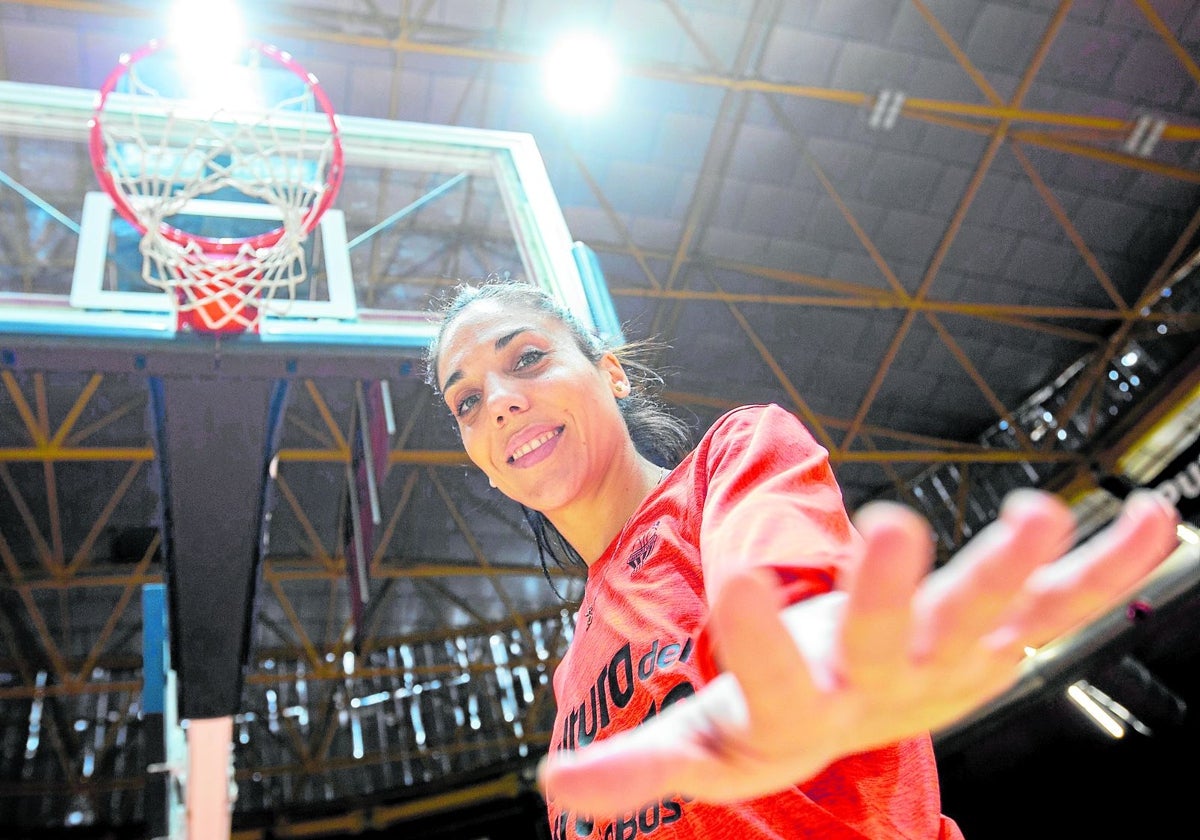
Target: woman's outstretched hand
895	652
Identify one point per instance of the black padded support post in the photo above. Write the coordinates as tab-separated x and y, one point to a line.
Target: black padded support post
215	437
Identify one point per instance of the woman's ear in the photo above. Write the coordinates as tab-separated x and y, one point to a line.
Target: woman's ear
610	365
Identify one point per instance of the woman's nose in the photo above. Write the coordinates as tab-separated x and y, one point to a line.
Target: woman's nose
504	400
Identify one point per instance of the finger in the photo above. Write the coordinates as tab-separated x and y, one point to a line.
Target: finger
971	595
684	750
1097	574
876	624
599	780
715	744
753	644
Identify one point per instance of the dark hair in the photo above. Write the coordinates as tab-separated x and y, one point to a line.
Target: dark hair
658	435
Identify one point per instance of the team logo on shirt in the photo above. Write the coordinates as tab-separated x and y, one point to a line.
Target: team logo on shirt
642	548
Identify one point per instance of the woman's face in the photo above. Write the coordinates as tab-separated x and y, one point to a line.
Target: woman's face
535	413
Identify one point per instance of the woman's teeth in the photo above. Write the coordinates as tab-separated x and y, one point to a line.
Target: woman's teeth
537	442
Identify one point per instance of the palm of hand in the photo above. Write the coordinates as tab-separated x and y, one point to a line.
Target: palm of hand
898	651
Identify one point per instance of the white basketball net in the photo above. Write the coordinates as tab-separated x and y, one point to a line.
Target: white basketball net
168	152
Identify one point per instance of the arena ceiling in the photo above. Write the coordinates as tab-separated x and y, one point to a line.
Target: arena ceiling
957	237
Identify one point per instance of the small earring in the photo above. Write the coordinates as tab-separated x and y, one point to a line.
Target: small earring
621	387
491	481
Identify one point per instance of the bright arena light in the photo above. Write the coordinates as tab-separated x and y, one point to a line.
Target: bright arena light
580	73
209	36
207	30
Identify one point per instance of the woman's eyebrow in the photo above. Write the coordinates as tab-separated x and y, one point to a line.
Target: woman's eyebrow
501	342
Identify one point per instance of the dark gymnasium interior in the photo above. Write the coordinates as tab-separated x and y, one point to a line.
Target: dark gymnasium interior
959	238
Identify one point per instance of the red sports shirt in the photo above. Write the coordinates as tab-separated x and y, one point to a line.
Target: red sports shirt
756	490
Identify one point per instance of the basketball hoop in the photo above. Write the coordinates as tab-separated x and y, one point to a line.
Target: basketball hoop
155	149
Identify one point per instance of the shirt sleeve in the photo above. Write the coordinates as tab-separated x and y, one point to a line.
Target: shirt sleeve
771	501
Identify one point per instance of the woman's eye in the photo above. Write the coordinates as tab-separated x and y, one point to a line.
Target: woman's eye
466	404
529	357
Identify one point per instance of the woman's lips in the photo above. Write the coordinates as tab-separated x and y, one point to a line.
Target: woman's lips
536	449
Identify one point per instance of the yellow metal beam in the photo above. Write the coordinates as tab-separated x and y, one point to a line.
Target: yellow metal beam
314	659
417	457
83	552
114	618
402	568
916	106
984	456
28	692
477	550
1063	218
314	539
784	380
333	671
22	406
137	403
52	564
339	440
50	453
488	746
1116	158
442	634
1177	49
899	293
887	301
385	537
506	787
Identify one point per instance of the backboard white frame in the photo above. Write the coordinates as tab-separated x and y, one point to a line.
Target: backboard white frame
91	257
512	158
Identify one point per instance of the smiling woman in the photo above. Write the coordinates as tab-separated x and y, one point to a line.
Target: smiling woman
534	342
748	662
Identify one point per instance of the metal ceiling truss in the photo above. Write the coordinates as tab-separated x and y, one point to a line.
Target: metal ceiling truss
319	718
